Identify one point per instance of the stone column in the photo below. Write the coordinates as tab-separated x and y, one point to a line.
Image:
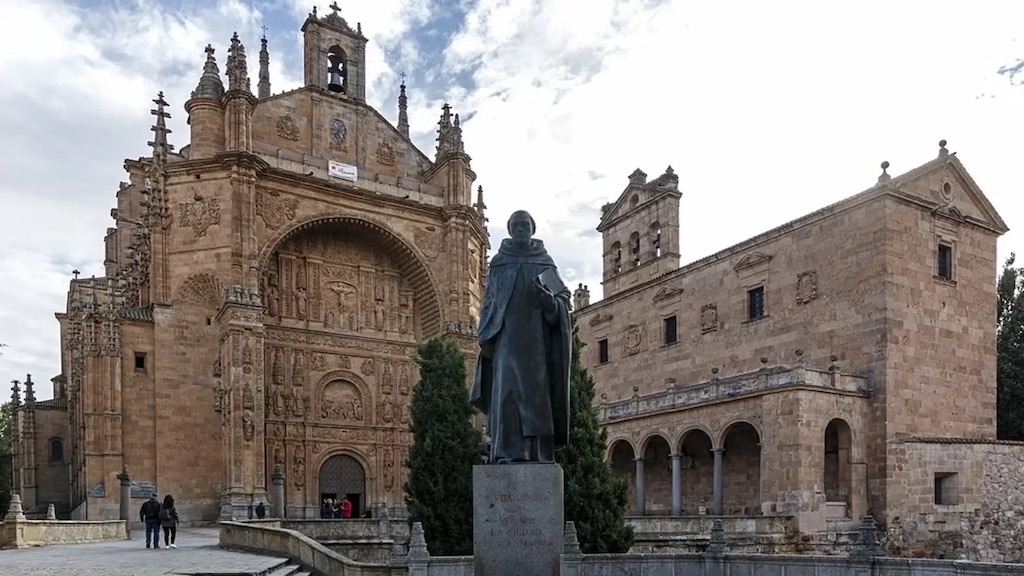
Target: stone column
641	498
677	485
277	478
126	499
242	358
716	506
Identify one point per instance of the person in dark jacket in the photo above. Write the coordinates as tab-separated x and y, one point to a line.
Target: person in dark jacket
169	521
261	511
150	515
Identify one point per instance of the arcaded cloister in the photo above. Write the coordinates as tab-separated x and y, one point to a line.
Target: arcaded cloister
781	453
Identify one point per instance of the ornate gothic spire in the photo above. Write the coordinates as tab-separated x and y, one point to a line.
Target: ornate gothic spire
264	86
30	394
159	207
210	84
480	206
403	112
237	69
449	134
15	393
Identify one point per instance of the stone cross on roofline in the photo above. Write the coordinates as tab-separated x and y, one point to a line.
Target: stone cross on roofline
335	8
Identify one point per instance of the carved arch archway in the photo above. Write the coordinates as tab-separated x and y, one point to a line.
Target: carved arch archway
334	403
410	260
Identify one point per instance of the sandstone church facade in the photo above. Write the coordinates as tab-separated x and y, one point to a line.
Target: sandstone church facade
839	365
266	287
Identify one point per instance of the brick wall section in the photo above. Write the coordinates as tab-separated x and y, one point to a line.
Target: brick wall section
983	521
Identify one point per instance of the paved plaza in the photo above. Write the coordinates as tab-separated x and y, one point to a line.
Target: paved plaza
197	553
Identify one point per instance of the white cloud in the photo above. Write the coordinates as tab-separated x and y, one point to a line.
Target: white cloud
766	113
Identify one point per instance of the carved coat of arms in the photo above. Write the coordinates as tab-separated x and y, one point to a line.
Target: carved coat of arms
338	132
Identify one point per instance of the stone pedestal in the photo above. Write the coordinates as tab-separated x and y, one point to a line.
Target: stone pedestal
125	499
518	519
277	493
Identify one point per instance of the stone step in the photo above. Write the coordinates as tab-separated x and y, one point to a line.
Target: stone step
287	569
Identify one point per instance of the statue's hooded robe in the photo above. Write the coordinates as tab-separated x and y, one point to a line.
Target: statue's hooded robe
523	385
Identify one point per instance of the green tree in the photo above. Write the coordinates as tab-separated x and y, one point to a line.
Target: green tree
6	451
595	498
1010	347
439	492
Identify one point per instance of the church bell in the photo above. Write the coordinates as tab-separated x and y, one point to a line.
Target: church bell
335	81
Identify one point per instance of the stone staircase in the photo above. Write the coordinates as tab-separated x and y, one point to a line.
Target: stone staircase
287	568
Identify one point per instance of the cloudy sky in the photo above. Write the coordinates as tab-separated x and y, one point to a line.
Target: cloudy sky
766	110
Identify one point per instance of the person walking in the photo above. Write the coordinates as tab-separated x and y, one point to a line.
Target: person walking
149	514
169	521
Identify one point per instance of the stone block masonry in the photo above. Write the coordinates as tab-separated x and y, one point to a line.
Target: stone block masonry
518	519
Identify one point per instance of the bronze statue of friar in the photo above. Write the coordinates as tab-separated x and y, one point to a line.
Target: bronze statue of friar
525	337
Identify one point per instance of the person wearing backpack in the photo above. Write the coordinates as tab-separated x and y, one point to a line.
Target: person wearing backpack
169	521
150	515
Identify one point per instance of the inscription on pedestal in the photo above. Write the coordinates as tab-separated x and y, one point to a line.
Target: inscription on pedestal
517	519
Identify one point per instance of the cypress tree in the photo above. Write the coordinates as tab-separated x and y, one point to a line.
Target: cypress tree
595	498
439	491
1010	347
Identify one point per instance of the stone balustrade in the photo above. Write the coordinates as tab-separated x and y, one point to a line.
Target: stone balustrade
717	389
364	540
268	537
16	531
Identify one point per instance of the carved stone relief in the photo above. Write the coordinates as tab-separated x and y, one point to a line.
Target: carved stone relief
806	287
367	368
388	454
708	318
385	153
199	214
403	379
277	368
299	469
298	369
428	240
317	362
387	385
339	133
202	290
248	427
632	339
287	128
341	401
274	209
247	400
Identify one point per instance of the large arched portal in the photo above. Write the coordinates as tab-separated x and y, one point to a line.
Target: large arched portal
341	476
346	274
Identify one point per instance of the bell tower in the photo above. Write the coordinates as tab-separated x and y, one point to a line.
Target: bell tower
334	54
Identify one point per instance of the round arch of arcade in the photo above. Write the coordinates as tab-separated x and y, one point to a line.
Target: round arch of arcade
411	261
343	473
678	474
719	471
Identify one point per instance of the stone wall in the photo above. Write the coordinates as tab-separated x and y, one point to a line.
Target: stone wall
363	540
270	538
960	499
26	533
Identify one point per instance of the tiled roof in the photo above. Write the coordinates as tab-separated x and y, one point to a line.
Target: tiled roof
136	314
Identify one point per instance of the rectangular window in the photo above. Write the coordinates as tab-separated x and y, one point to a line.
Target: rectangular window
945	262
602	351
947	489
670	330
140	361
755	303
